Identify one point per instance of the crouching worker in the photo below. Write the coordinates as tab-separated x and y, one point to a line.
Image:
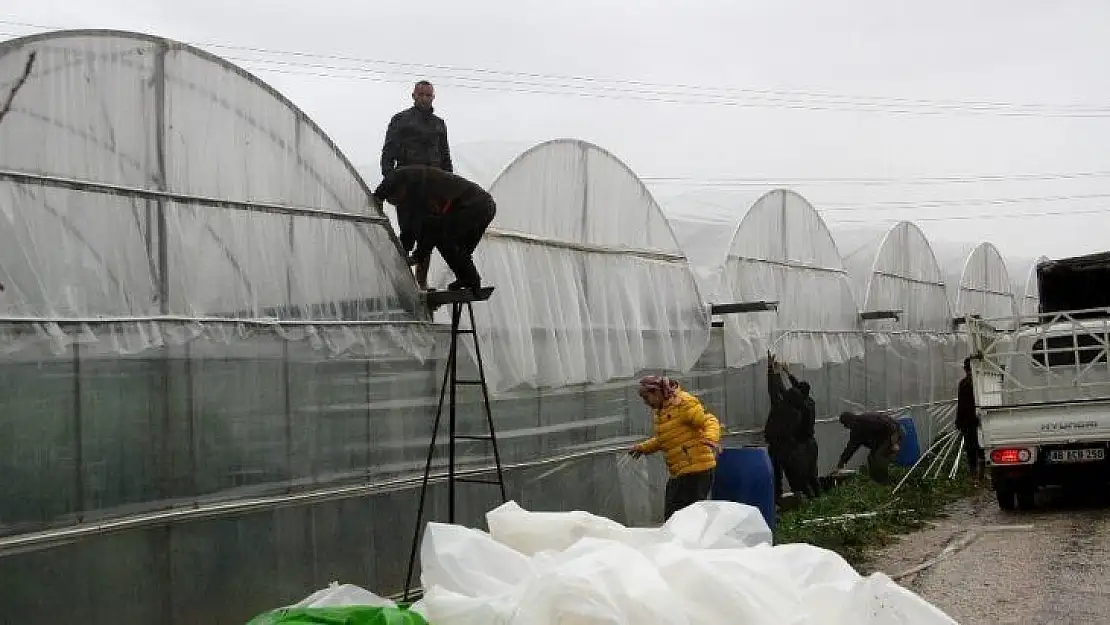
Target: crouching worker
689	438
440	210
876	431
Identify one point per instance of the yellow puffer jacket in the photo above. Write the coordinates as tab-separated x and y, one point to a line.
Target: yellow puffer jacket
683	432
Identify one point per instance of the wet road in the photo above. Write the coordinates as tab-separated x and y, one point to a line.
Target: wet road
1050	565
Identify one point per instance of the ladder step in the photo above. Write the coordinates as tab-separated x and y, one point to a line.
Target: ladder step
474	437
475	480
470	382
467	331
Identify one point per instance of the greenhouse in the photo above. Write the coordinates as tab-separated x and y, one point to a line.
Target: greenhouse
198	303
893	270
977	279
591	283
783	252
905	311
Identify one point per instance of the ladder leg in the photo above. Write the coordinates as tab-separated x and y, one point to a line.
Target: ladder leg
417	530
485	401
456	317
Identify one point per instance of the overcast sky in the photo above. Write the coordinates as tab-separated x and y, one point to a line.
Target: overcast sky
739	90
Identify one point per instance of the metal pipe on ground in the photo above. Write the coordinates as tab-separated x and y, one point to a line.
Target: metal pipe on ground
943	438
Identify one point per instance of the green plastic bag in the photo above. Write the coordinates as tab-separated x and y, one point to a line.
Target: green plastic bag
346	615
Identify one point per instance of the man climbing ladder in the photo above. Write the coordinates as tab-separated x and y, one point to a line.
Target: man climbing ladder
441	210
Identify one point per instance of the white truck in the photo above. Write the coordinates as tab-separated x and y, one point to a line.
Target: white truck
1042	384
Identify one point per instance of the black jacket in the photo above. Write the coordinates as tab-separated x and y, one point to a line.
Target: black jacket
807	425
786	412
965	405
871	430
427	191
416	137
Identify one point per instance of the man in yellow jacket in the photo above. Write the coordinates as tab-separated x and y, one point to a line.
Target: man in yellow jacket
689	438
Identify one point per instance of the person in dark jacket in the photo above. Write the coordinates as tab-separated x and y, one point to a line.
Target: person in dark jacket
781	429
807	450
440	210
967	423
876	431
417	136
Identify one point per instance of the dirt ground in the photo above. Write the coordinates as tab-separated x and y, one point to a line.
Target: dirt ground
1048	565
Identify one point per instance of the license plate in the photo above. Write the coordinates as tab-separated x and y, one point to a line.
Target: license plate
1076	455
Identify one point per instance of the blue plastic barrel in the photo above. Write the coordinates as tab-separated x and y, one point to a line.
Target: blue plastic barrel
744	475
911	448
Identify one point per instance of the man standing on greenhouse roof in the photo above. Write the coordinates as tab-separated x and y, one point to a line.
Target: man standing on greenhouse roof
441	210
417	136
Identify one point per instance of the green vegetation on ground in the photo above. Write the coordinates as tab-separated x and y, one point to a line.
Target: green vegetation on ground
917	501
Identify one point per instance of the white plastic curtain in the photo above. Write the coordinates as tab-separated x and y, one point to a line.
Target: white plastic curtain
783	252
144	113
591	284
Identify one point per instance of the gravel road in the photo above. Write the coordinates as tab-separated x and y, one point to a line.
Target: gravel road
1050	565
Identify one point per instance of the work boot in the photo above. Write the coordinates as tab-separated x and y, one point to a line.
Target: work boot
458	285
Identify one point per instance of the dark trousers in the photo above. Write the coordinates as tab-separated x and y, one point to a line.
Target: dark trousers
456	235
806	468
878	462
790	459
685	490
778	453
975	460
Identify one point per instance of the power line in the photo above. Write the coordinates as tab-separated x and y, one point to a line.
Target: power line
912	204
666	97
864	181
978	216
705	94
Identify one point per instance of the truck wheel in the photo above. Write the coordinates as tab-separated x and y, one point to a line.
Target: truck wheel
1006	497
1025	497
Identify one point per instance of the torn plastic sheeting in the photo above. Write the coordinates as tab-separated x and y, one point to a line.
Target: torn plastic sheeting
710	563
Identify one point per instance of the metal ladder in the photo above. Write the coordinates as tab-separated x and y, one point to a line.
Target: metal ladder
448	388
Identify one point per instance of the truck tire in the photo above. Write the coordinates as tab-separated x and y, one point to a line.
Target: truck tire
1007	499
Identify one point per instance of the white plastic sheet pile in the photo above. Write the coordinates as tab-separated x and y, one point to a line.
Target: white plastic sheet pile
711	563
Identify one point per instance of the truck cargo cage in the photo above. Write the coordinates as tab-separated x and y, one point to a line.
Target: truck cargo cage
1046	358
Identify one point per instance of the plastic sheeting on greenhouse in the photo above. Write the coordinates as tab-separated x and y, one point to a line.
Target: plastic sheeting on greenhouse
895	269
1027	290
704	223
977	279
783	252
180	247
711	563
591	284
